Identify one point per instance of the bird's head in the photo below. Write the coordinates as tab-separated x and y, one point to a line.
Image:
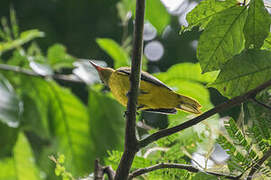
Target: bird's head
104	73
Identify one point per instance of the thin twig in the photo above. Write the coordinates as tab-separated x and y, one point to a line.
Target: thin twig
131	142
261	104
61	77
187	167
258	164
98	170
219	108
110	172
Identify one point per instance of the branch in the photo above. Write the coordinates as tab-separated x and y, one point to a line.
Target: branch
261	104
219	108
189	168
110	172
131	142
68	78
98	170
257	166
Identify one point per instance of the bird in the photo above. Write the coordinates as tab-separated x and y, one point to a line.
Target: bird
154	95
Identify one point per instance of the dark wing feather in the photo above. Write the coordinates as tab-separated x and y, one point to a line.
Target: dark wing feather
144	76
162	111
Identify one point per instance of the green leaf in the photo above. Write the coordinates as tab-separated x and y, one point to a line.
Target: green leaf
25	37
115	51
186	79
31	117
157	15
11	106
8	137
70	123
257	26
58	57
67	120
23	157
106	116
244	72
267	43
22	165
222	38
205	11
187	71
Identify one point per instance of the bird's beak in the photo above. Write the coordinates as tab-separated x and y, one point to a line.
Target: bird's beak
98	68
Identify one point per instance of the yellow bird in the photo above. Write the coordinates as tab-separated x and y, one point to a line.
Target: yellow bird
153	95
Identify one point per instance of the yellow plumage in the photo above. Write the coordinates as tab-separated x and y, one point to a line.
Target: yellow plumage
153	94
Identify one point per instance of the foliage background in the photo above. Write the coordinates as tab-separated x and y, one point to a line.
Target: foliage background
40	117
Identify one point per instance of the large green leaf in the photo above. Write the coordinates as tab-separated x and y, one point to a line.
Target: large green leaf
58	57
205	11
157	15
106	124
222	38
67	120
21	165
25	37
257	26
10	104
115	51
244	72
70	126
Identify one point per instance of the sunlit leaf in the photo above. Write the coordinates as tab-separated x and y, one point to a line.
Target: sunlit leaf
59	58
257	26
86	72
157	15
222	38
205	11
25	37
21	165
10	104
67	120
244	72
70	123
267	42
42	69
187	71
115	51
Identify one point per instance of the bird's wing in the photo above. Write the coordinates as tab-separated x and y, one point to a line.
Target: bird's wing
144	76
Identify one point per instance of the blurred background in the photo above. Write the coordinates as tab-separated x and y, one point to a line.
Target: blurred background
77	116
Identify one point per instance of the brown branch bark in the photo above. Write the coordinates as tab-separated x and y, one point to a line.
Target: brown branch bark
221	107
27	72
187	167
258	164
131	143
100	171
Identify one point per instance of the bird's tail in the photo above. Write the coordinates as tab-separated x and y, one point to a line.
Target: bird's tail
189	105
